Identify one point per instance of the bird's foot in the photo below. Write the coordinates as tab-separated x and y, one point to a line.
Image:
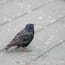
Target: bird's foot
17	47
26	50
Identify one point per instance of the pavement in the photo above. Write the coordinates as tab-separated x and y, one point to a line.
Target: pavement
47	47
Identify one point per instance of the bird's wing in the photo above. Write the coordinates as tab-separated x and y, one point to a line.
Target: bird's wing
23	36
26	39
16	39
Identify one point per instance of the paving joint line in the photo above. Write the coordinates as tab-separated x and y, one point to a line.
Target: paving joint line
24	14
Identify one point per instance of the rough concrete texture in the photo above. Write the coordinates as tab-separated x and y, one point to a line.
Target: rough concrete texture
48	46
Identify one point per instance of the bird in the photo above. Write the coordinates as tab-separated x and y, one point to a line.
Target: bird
23	38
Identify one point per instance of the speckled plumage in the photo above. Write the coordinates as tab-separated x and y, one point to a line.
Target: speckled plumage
23	38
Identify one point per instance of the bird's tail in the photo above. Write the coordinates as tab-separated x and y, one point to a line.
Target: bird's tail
6	48
10	45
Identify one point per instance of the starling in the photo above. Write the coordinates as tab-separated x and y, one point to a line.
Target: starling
23	38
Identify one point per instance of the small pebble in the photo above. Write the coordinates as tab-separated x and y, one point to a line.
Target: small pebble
18	62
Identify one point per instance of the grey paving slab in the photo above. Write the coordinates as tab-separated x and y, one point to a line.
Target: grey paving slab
47	47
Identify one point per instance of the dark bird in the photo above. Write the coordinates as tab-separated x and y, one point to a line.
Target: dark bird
23	38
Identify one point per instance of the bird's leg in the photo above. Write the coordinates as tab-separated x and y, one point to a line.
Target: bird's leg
25	49
17	47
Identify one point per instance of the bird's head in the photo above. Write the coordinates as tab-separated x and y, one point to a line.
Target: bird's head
29	27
